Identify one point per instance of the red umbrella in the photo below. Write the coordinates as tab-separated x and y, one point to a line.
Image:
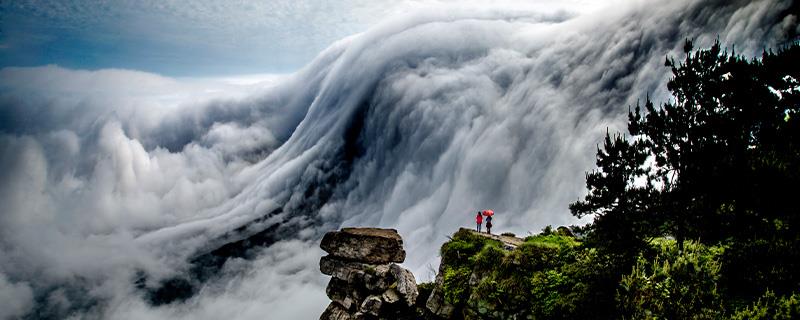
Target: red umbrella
488	213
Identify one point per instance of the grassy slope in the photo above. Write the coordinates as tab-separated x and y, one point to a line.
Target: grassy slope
554	276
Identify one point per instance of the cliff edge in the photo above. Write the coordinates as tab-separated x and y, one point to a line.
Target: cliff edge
368	283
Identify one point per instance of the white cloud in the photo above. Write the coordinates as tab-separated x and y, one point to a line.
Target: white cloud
17	298
276	285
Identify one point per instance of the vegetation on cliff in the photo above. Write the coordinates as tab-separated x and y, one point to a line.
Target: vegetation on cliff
695	213
555	276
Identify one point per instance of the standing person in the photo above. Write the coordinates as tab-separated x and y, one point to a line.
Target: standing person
489	224
479	220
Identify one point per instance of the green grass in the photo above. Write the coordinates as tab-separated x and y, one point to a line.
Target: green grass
552	240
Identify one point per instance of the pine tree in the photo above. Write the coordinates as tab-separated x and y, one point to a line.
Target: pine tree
719	163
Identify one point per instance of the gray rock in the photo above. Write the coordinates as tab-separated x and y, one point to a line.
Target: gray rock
335	312
368	245
436	302
344	270
342	293
365	282
390	296
406	284
375	278
474	280
371	306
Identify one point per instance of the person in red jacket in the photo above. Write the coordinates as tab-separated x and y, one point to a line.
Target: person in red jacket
479	220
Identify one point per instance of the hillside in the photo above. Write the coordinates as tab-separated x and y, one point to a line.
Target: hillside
550	275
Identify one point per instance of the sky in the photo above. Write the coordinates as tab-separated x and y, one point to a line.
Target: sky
190	39
174	37
138	136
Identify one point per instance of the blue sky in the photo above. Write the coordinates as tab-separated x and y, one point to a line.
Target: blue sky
179	38
194	38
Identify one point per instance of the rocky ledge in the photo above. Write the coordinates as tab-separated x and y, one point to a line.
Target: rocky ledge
366	281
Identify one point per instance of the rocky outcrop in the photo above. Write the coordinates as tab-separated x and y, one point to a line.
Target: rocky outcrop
436	303
366	281
368	245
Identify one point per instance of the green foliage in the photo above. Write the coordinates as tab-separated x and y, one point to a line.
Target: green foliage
721	147
722	151
426	286
464	245
456	285
489	256
562	292
673	285
750	267
618	205
712	165
549	276
771	307
552	240
460	256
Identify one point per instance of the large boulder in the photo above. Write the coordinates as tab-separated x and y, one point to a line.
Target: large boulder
368	245
406	284
344	294
370	276
371	306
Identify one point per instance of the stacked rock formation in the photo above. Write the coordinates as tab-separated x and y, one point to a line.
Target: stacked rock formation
367	282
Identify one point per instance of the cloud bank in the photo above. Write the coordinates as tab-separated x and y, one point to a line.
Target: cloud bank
118	184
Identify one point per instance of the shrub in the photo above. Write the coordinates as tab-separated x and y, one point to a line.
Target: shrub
552	240
463	246
751	267
456	285
463	254
771	307
673	285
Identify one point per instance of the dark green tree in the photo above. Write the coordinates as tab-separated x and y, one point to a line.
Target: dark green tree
616	201
714	145
718	163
